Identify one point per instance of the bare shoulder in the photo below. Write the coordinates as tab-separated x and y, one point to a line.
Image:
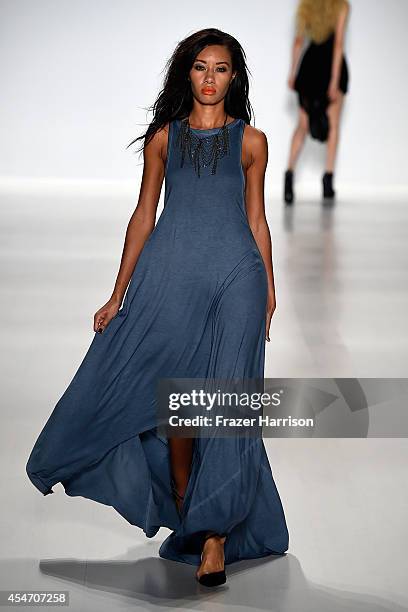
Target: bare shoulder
342	19
157	145
254	135
255	143
345	8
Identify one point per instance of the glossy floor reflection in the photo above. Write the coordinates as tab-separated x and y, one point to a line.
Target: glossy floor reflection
342	298
341	287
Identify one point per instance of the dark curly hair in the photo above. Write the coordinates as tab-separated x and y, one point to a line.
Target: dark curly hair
175	101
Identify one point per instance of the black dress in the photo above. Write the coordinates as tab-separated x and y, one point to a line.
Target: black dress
312	82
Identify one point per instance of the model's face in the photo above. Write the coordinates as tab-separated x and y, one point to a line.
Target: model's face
211	74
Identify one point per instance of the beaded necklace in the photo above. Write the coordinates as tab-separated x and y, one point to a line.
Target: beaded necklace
203	151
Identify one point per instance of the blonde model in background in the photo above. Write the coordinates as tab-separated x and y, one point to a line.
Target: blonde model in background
321	81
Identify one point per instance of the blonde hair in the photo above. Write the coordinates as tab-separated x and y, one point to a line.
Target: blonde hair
317	18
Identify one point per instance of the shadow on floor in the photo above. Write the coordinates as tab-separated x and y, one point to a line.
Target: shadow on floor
270	583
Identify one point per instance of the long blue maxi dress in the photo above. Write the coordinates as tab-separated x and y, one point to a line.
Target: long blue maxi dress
195	307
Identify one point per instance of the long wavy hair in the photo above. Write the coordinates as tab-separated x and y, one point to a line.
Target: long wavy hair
317	18
175	100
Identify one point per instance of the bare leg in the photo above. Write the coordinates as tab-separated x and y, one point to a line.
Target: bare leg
181	450
333	113
213	548
298	138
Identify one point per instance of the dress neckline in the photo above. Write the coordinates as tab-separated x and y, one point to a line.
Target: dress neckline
211	130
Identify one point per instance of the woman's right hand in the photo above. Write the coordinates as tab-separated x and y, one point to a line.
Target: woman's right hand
105	314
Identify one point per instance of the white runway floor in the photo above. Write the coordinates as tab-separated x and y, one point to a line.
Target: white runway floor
342	302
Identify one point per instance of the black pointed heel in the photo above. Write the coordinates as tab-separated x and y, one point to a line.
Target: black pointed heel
328	191
212	579
288	187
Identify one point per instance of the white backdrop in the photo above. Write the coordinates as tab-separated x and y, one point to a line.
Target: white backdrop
77	75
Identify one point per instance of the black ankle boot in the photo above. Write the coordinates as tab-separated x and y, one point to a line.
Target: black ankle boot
288	188
328	191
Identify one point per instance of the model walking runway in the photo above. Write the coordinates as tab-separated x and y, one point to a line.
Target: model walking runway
195	307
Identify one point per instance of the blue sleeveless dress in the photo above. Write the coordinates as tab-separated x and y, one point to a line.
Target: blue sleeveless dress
194	308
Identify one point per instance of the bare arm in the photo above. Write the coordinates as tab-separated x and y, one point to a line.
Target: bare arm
296	52
339	45
255	148
140	225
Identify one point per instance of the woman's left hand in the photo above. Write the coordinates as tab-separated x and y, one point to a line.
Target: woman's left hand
333	91
270	309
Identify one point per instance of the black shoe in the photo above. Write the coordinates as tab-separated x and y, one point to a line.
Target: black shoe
328	191
212	579
288	189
